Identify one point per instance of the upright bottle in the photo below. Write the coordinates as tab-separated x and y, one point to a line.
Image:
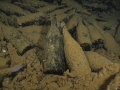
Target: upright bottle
54	58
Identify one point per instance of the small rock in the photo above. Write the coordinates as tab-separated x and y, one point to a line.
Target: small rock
7	82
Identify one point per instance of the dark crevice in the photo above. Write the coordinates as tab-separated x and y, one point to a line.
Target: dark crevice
106	83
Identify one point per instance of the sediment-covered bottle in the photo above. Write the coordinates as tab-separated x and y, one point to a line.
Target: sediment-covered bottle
83	36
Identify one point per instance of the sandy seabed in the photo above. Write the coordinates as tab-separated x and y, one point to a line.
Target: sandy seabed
23	29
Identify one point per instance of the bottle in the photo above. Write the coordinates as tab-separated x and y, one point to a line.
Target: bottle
83	36
75	58
98	41
54	57
110	42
